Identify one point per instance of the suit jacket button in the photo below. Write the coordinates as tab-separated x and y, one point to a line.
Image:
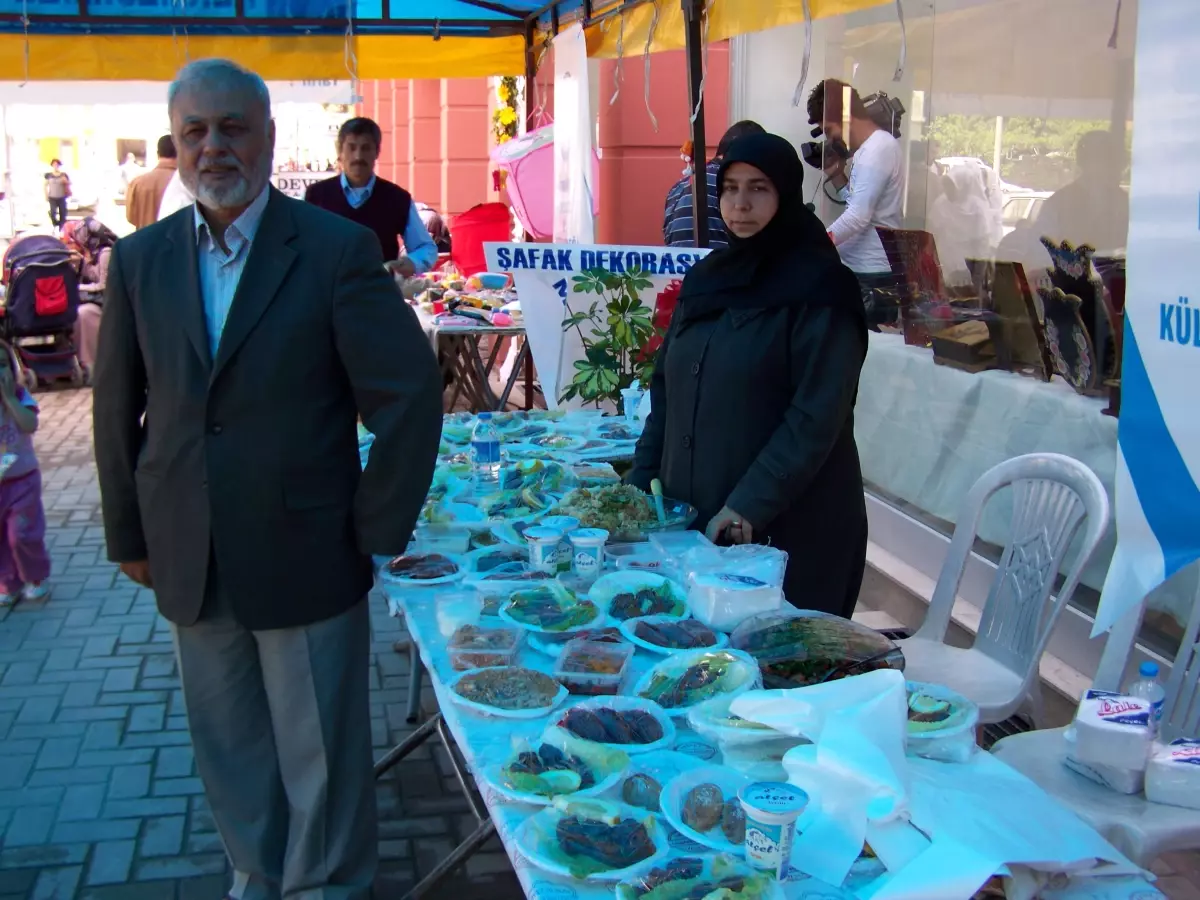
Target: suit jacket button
215	429
687	441
696	368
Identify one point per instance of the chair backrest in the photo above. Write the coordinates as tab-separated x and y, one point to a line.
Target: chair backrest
1181	706
1053	496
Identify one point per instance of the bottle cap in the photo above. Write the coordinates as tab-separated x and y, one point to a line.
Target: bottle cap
1148	669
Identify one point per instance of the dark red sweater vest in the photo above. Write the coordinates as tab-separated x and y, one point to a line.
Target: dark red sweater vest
385	212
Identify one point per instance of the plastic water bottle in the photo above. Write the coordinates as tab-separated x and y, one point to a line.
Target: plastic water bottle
1148	688
485	452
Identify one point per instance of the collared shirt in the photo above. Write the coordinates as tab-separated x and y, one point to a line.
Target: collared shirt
418	245
679	215
220	272
874	197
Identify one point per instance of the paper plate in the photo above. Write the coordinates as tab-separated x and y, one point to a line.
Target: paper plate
552	645
610	586
497	712
741	675
674	794
451	512
661	765
629	627
714	869
556	442
623	704
613	770
389	578
471	560
560	592
549	858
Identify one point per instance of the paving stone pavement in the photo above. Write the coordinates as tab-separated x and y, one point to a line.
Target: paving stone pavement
99	798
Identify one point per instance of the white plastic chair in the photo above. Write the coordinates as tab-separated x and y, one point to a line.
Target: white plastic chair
1141	830
1053	497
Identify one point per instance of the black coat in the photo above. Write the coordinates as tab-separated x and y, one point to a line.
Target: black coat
753	409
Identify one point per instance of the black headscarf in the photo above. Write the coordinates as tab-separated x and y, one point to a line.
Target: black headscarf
780	265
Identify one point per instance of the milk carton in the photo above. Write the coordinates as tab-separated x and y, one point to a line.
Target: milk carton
1112	729
1173	774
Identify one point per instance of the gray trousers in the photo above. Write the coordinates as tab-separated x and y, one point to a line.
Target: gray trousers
280	723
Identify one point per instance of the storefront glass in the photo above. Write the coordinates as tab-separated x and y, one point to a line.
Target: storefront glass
1017	127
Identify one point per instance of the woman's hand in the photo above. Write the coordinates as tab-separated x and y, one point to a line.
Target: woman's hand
731	523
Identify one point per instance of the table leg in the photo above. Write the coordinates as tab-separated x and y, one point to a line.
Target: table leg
522	356
408	745
457	764
487	400
453	356
416	672
528	375
461	854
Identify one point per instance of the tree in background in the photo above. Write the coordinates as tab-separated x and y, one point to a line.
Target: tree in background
1038	154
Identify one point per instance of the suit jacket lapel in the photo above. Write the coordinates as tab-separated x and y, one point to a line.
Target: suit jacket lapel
184	259
271	256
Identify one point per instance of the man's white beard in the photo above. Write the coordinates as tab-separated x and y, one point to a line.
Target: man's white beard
240	194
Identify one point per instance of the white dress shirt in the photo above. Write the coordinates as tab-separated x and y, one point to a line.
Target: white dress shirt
220	272
874	197
174	198
418	245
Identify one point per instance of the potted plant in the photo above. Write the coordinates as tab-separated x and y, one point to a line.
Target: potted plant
615	330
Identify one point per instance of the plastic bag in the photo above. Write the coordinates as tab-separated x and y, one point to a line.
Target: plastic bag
727	585
750	748
941	723
796	649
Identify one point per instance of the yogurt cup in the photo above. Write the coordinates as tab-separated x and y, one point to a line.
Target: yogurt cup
772	808
565	524
587	552
543	548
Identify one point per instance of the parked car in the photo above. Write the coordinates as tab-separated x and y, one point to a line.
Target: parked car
1021	205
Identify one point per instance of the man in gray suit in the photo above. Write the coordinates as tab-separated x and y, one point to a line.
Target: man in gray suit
241	337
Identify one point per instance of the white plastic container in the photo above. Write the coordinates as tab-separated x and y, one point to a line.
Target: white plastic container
587	552
543	548
1123	781
1173	774
1113	730
723	600
565	524
676	543
772	809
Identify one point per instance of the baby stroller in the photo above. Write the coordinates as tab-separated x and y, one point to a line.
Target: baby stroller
40	308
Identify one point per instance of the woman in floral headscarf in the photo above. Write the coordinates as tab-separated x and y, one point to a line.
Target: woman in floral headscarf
93	242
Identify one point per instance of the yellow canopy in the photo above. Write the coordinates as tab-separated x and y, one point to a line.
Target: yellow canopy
729	18
158	57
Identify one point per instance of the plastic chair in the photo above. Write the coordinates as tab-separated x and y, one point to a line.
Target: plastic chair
1053	497
1141	830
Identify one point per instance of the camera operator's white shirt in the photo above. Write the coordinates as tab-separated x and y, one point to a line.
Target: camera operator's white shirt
874	197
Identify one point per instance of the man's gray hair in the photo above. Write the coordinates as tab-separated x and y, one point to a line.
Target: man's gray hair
219	71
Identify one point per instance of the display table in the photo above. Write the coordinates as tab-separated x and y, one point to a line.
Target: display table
926	432
460	353
432	615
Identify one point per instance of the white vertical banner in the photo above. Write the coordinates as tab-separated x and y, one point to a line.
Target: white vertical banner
1158	464
574	221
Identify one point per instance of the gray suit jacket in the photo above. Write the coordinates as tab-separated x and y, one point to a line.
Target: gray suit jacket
255	454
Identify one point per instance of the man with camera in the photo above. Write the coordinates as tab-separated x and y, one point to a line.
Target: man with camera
865	160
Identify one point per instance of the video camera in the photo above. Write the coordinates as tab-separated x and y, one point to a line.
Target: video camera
883	110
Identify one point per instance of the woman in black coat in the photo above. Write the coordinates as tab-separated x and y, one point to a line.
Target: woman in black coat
753	393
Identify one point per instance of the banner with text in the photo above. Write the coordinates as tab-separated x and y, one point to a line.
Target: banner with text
294	184
549	279
1157	499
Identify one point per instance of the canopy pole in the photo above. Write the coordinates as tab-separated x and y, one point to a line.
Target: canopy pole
693	15
530	77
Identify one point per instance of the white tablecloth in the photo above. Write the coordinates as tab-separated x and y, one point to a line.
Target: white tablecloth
927	432
432	615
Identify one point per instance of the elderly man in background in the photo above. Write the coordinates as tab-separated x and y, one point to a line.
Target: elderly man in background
146	191
241	339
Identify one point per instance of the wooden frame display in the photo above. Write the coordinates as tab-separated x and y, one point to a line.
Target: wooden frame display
1018	336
